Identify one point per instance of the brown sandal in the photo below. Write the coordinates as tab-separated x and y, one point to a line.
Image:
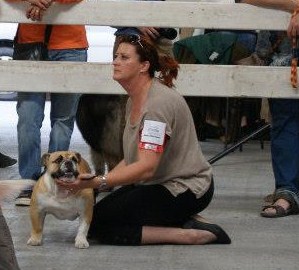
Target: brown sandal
280	211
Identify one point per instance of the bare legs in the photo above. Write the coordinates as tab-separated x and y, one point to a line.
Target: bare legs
160	235
165	235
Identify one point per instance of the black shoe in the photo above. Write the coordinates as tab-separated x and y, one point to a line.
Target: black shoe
6	161
24	198
222	237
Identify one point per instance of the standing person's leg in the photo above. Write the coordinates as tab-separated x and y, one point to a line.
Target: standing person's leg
8	260
62	115
285	158
63	106
30	109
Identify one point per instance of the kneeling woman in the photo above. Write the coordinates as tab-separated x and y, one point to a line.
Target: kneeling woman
165	180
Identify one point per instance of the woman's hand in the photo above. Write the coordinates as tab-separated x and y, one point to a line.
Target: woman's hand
82	181
42	4
34	13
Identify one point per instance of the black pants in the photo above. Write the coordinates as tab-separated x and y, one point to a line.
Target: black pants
118	218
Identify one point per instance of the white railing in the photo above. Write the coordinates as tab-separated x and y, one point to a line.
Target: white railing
197	80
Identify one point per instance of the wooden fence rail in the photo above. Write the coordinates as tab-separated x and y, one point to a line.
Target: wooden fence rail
153	13
194	80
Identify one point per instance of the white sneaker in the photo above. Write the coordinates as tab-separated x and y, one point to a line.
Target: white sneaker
24	198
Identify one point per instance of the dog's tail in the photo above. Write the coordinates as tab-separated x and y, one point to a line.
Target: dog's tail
9	189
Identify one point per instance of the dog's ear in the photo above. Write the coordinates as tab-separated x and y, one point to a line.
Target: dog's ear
78	156
45	159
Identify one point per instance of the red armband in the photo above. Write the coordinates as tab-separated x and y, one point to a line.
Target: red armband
153	136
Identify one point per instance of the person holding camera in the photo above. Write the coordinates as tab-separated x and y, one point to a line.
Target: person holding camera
284	119
162	37
164	179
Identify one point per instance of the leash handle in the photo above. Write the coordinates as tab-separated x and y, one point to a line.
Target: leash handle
89	178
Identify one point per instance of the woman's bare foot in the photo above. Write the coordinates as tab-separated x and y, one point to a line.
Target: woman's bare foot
281	202
279	208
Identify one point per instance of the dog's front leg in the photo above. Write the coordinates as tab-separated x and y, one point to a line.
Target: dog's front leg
37	222
81	241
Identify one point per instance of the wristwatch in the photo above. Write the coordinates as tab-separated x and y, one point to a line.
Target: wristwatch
103	184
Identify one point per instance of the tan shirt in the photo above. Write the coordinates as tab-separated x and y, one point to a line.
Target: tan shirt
182	165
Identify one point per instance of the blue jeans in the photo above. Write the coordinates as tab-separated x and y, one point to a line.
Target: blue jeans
245	38
285	147
30	109
248	40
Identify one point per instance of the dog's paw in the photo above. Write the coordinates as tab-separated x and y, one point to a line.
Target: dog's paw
33	241
81	242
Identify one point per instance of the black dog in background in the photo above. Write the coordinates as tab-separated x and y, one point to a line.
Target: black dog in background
101	121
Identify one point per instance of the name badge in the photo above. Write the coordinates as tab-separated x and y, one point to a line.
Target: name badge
153	132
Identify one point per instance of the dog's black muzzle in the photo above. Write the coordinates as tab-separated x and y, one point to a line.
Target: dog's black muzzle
67	169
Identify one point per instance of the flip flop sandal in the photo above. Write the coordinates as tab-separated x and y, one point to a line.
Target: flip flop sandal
222	237
279	211
294	208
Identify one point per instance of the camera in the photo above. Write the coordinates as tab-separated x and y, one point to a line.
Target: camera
169	33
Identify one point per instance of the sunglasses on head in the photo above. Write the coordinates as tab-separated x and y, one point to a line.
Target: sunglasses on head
135	39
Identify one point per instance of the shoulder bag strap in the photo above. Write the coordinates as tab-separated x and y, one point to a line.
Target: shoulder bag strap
15	40
47	34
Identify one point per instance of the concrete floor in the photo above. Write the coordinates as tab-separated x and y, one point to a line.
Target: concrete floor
242	180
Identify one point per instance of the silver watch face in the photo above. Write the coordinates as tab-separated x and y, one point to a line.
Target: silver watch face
103	184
